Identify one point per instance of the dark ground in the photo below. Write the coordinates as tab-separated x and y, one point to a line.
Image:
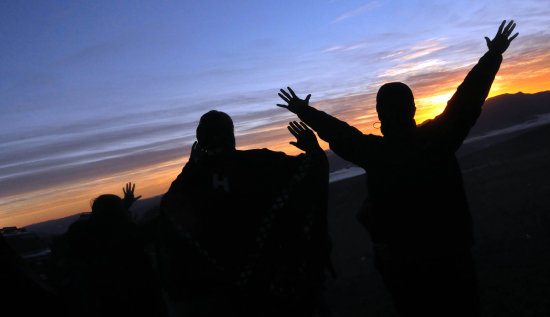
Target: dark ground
508	189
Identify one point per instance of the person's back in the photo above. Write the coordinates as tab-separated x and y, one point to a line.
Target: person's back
236	221
416	193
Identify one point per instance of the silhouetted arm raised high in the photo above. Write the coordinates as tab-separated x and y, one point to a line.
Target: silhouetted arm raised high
344	140
463	109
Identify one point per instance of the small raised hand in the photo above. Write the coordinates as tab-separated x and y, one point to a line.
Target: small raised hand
128	191
294	104
305	138
197	151
502	39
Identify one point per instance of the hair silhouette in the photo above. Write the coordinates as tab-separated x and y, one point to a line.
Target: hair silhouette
216	131
109	210
396	109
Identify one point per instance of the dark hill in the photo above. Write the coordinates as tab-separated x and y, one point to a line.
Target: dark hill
508	110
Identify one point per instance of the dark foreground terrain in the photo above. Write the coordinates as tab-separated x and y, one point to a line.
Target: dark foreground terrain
508	190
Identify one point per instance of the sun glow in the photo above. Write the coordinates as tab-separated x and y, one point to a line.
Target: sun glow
431	106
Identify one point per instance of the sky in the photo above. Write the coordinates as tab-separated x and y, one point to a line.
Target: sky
94	94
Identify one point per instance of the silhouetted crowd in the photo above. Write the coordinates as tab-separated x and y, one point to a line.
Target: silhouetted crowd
245	233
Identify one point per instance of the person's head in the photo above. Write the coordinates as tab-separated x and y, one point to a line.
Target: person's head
216	131
109	208
396	109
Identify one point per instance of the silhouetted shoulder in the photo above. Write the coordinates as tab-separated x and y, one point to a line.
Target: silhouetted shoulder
426	127
357	149
372	138
263	153
266	157
78	233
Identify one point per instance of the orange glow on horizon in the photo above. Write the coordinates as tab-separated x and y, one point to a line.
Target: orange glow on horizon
515	76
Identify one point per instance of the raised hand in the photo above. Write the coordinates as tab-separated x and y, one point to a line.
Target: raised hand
500	43
306	139
128	191
295	104
196	152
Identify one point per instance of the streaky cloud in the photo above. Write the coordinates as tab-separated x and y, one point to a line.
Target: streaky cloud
368	7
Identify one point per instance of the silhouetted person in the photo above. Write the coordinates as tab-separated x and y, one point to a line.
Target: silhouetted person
245	231
104	269
417	213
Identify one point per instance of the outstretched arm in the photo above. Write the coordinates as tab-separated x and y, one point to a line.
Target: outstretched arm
464	107
345	140
328	127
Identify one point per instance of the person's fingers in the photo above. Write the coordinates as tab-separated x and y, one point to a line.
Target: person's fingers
291	123
124	190
507	28
283	97
138	197
282	106
501	26
292	92
513	37
134	187
305	126
295	144
488	41
286	94
307	98
293	126
511	29
292	132
296	126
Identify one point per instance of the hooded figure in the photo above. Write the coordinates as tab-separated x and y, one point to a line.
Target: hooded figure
245	231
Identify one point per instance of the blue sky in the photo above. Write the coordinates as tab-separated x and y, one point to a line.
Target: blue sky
92	89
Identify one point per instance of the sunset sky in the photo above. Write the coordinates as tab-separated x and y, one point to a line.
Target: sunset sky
94	94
